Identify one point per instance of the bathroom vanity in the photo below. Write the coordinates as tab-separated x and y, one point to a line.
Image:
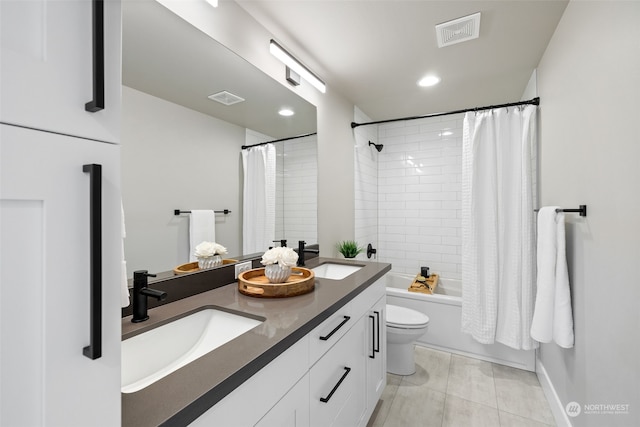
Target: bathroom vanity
314	359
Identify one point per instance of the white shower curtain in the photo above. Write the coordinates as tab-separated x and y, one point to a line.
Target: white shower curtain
498	240
259	198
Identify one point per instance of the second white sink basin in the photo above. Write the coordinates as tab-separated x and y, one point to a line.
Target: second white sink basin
150	356
331	270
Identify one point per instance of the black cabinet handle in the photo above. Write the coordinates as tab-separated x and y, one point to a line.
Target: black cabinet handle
94	349
373	337
346	319
97	103
335	387
377	348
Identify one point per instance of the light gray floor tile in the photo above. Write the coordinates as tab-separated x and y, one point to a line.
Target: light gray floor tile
519	392
512	420
432	369
416	406
384	404
472	379
461	412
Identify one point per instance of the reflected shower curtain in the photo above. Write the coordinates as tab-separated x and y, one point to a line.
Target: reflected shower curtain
498	241
259	198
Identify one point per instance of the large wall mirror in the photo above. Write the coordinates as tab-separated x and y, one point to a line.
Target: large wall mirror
182	150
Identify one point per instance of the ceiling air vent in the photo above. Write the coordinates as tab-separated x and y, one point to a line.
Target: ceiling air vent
459	30
226	98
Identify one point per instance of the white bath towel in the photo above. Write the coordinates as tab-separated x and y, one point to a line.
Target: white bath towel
124	284
552	316
202	228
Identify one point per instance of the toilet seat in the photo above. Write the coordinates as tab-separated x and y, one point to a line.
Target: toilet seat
405	318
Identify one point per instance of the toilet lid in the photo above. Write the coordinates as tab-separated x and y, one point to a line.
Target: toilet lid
402	317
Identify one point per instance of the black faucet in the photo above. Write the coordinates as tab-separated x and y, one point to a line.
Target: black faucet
302	250
140	293
283	242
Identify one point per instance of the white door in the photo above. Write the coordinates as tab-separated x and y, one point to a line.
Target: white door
45	272
47	71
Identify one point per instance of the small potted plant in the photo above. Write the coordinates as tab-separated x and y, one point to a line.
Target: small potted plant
349	248
209	254
278	262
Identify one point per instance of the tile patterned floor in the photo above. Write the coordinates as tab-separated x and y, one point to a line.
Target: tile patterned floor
448	390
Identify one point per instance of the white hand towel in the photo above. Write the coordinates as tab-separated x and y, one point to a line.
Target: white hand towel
552	317
202	228
124	284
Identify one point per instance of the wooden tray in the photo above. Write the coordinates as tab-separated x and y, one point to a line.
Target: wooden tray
192	267
255	284
425	288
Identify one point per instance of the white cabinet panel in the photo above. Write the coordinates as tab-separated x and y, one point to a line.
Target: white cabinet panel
292	410
47	70
337	388
376	353
44	281
329	332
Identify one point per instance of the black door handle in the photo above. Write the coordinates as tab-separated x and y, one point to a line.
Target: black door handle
335	387
373	337
94	349
97	103
377	348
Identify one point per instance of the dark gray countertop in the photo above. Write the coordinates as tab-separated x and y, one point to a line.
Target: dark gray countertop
182	396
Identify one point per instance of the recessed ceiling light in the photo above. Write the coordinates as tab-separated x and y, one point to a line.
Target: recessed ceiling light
286	112
213	3
430	80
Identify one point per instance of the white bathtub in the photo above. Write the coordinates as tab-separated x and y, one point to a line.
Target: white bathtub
444	311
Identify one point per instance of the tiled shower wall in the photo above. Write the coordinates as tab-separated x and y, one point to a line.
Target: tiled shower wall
297	190
419	174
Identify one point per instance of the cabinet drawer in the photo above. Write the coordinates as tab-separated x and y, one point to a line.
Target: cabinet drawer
337	382
329	332
368	297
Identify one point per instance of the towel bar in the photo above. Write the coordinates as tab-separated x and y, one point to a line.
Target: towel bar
178	211
582	210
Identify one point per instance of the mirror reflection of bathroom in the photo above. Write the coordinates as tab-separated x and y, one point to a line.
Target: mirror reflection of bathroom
182	150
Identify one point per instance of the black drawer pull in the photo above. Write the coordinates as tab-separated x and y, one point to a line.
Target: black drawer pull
346	319
335	387
373	337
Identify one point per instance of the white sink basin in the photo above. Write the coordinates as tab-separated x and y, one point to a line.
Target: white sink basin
150	356
330	270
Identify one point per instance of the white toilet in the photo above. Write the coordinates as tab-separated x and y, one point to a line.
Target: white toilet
404	326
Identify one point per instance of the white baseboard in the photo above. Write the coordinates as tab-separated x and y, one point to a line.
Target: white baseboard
557	409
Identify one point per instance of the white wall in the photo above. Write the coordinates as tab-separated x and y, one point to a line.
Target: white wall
589	85
176	158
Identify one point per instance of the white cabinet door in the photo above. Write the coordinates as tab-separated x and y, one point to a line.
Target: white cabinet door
47	72
376	353
337	382
292	410
45	282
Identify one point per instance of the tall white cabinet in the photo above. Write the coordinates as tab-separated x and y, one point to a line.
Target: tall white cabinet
59	216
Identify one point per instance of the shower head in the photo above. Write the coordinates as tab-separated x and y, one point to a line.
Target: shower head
378	146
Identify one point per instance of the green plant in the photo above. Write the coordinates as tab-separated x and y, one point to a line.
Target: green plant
349	248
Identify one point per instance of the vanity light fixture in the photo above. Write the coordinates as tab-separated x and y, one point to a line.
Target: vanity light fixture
213	3
291	62
429	80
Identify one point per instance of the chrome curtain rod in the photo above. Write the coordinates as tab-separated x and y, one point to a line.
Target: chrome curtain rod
244	147
534	101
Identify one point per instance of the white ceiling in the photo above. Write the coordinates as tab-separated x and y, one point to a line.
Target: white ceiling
374	51
166	57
